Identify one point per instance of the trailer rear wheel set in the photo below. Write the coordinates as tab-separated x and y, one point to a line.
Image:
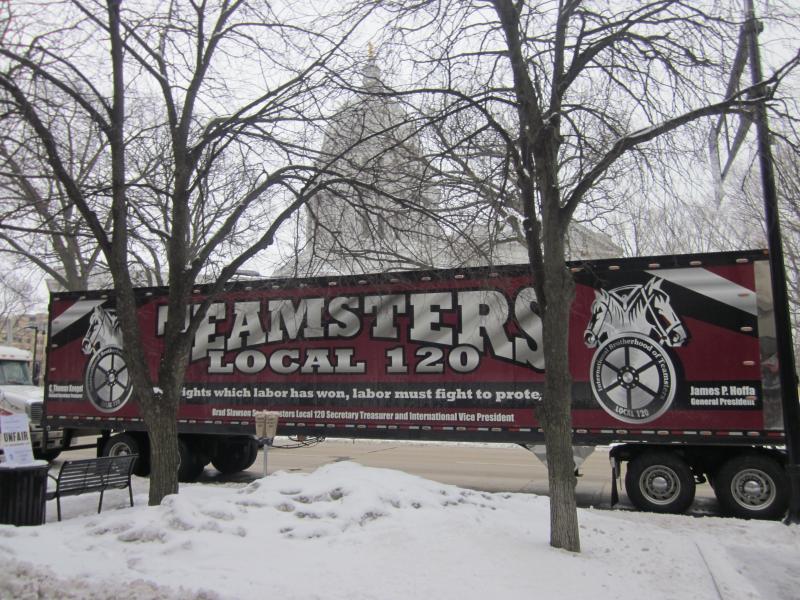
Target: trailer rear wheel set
748	483
227	454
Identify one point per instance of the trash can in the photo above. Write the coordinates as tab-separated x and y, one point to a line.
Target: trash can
23	493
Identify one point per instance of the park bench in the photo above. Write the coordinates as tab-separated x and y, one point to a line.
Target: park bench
93	475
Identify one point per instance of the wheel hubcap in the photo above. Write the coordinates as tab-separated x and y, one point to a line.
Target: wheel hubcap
119	450
753	489
660	485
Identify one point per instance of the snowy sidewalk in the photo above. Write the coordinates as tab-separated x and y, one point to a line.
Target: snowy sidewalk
353	532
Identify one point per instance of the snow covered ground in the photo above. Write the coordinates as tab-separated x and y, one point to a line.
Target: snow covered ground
354	532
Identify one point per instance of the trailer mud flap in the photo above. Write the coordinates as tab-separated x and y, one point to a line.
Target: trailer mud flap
614	475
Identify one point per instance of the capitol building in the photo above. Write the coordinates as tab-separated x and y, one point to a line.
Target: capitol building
383	207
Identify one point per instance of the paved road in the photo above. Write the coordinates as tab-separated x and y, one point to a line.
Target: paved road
492	468
489	467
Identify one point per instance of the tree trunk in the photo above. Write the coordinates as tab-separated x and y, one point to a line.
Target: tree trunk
164	456
162	414
556	290
555	413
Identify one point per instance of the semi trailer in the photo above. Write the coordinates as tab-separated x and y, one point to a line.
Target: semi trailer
672	361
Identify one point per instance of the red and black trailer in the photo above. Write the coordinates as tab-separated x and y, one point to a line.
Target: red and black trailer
672	359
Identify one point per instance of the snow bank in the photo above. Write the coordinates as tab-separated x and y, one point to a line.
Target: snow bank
348	531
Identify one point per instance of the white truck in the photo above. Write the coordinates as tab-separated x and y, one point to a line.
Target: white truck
18	395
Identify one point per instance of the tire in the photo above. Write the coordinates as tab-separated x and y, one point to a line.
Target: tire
48	455
253	455
660	482
235	455
123	444
752	486
192	462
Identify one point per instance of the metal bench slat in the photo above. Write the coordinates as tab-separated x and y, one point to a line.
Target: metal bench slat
93	475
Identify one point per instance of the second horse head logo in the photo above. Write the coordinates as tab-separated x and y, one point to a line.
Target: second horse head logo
644	309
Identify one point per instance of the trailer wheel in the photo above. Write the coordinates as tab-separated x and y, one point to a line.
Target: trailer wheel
752	486
124	444
660	482
192	461
236	455
48	455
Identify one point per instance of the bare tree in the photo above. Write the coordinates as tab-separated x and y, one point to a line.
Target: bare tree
207	118
387	212
38	221
713	222
573	95
17	297
403	205
739	220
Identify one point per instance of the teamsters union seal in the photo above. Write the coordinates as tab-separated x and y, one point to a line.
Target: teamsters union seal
106	380
632	378
631	375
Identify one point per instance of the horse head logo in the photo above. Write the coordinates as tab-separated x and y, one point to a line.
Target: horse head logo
597	331
103	331
666	326
644	309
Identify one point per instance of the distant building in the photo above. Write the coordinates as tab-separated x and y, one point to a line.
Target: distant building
351	228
